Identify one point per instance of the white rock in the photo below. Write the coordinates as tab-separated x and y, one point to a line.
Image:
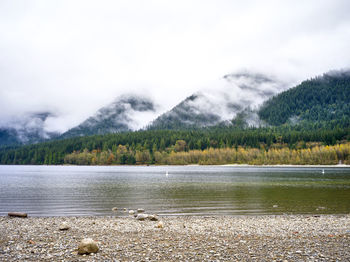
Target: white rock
140	210
153	217
87	246
160	224
114	209
142	217
64	226
131	212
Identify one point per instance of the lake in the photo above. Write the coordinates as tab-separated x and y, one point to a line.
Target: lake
186	190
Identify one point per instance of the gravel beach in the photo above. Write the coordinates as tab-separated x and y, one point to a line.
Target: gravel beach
241	238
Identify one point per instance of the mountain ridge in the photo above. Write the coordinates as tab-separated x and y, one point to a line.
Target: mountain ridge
26	129
323	98
239	100
234	94
118	116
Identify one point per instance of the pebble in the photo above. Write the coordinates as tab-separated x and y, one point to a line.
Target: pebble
141	217
17	214
153	217
240	238
160	224
64	226
87	246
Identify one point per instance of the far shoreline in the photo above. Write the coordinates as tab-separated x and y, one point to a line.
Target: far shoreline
198	165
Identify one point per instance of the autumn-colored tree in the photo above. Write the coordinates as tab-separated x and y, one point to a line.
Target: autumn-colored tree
180	146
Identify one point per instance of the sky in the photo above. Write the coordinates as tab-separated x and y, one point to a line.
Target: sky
71	57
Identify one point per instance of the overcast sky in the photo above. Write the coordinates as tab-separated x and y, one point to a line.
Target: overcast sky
72	57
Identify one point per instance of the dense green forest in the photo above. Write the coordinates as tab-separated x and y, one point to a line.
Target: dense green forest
323	98
183	117
131	146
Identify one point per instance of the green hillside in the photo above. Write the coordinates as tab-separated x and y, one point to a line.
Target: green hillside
113	118
325	98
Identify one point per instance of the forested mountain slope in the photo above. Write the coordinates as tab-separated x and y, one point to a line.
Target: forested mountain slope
8	137
126	113
221	102
325	98
26	129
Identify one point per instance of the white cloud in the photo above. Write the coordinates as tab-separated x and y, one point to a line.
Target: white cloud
73	57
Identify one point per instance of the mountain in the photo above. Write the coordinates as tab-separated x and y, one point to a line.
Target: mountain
26	129
325	98
126	113
303	119
8	136
242	99
235	95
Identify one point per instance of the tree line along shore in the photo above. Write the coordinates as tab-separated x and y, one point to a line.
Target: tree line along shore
313	155
255	146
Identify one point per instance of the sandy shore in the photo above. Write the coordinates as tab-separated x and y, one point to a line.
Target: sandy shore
243	238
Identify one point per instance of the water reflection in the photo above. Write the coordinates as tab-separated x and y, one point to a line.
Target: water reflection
203	190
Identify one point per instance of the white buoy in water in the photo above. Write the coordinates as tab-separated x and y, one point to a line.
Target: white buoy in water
322	171
166	173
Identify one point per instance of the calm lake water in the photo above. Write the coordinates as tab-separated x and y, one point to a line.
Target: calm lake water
187	190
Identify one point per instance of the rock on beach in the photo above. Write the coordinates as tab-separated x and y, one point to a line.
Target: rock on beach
141	217
209	238
64	226
17	214
160	224
87	246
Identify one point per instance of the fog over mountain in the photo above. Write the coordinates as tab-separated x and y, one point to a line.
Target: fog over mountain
222	101
71	58
129	112
24	129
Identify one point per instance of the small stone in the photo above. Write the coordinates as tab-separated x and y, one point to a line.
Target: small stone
114	209
87	246
131	212
153	217
64	226
125	210
275	206
17	214
160	224
141	217
140	210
